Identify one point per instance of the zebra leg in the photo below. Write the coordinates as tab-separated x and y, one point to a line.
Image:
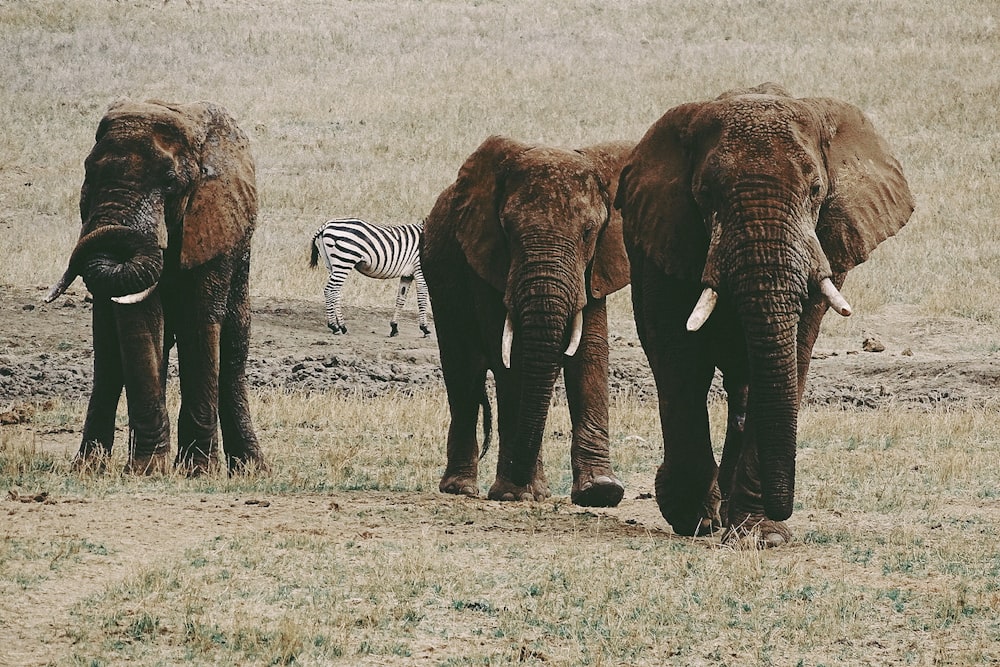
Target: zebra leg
404	285
422	301
334	315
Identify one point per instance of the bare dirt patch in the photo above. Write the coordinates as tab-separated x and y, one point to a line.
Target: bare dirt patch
45	354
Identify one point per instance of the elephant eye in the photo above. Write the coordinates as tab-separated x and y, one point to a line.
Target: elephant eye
171	182
814	189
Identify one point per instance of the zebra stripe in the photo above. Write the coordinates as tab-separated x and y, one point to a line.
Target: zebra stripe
376	251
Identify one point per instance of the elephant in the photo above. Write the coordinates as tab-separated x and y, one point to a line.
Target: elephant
519	255
741	218
168	206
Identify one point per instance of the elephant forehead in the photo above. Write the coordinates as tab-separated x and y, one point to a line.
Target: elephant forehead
553	189
766	135
136	119
565	175
760	121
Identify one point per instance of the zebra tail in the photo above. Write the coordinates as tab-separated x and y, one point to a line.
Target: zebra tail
314	253
487	422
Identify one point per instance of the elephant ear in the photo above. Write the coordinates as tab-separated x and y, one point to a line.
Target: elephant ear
478	197
660	218
869	199
222	208
610	269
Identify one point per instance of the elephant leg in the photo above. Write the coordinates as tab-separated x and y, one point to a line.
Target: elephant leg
746	523
239	440
730	355
141	339
736	392
586	374
99	427
508	385
464	368
686	482
198	422
808	331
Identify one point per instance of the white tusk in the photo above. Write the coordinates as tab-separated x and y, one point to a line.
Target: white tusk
836	299
574	338
508	340
135	298
703	309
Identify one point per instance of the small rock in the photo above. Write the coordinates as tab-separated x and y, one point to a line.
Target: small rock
872	344
21	414
907	352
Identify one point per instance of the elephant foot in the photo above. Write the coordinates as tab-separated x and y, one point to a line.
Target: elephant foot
93	457
598	491
754	531
247	464
196	466
93	461
156	463
688	516
197	461
537	489
460	485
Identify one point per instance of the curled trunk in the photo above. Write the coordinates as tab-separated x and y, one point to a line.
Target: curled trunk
114	261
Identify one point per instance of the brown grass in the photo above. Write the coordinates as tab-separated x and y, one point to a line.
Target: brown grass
368	109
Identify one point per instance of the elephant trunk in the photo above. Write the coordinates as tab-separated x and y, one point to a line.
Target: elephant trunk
768	285
121	257
545	317
118	261
772	413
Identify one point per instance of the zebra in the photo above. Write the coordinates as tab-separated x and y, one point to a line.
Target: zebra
377	251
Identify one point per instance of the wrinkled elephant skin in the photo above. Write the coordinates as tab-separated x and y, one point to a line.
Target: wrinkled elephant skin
519	254
742	216
168	207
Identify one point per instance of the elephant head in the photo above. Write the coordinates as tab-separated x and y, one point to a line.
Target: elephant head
169	191
159	176
536	224
767	201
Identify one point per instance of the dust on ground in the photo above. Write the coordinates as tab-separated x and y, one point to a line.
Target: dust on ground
903	360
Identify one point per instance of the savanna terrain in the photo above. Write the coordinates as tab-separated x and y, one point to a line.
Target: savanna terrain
345	553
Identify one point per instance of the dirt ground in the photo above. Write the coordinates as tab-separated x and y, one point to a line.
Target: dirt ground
45	354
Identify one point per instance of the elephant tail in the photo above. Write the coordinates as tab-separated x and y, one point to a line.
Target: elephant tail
487	422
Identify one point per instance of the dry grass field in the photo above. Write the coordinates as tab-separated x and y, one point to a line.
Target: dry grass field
346	553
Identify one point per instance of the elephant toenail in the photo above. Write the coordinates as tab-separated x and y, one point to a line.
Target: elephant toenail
774	540
604	480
